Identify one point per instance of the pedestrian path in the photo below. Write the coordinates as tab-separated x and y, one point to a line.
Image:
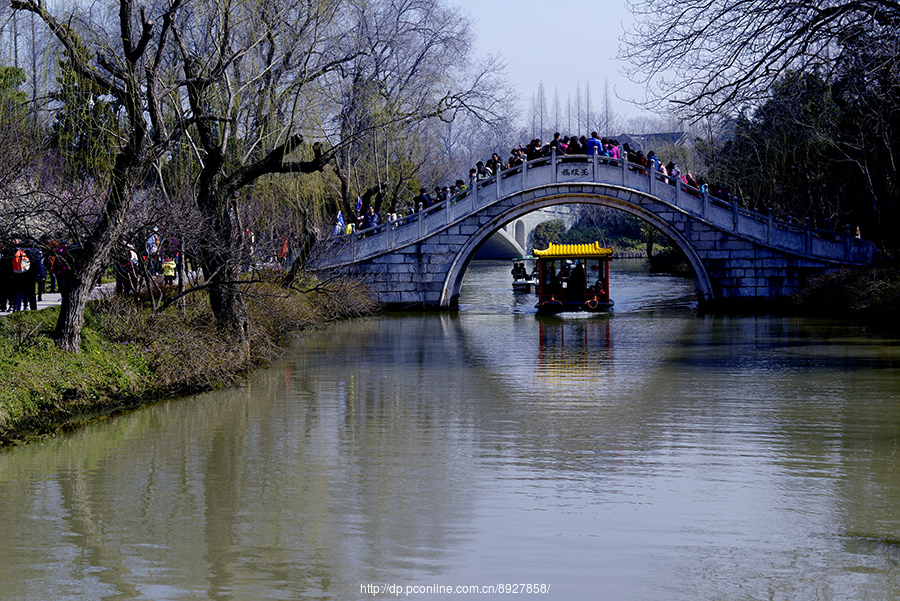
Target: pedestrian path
47	300
55	299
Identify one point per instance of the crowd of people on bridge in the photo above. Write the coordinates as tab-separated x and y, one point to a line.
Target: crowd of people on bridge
607	149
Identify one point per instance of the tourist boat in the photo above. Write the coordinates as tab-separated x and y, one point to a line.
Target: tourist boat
573	277
524	280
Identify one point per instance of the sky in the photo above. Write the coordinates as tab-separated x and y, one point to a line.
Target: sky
560	43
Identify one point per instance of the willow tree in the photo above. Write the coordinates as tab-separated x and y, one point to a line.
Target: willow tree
415	67
251	70
85	128
16	139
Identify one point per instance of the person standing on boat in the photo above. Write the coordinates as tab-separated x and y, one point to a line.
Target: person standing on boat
576	282
519	272
551	280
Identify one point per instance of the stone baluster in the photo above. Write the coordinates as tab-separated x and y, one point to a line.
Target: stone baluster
847	239
553	165
421	222
808	249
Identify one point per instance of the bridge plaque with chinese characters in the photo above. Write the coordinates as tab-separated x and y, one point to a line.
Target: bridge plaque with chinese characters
572	173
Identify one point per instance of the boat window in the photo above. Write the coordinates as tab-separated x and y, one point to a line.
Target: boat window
594	273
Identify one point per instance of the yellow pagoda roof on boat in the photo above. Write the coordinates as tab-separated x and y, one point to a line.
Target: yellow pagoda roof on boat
574	251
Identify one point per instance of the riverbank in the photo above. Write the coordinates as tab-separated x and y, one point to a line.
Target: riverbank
132	357
870	293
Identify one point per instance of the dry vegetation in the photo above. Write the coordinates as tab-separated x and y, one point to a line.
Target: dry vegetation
133	356
870	293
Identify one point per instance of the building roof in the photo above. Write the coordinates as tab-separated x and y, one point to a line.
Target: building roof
574	251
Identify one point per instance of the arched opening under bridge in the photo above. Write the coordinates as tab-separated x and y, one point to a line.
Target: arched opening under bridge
460	263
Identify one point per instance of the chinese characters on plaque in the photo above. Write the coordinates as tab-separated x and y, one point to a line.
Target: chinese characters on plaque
573	173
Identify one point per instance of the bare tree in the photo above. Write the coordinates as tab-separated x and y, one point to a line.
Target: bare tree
556	109
130	68
712	56
541	107
579	121
587	104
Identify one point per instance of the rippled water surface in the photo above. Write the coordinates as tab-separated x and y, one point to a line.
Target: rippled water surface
650	454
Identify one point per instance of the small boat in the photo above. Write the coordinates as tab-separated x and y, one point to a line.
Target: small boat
573	277
523	280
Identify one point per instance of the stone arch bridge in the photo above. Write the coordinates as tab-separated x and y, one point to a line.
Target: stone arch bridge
735	254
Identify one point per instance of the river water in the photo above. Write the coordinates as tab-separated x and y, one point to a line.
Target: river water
651	454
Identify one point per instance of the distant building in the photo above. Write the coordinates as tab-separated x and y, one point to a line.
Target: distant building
648	142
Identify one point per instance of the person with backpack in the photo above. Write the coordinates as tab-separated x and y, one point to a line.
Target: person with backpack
39	275
65	258
27	268
21	263
48	255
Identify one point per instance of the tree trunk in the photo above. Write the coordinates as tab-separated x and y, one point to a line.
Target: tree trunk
227	303
651	238
220	257
87	263
71	317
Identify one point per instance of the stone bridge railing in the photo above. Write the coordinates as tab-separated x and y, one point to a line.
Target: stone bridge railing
840	247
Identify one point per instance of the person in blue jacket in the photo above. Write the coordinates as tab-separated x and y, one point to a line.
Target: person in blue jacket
595	145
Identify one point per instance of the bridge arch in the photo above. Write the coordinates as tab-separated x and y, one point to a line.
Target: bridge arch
736	255
609	197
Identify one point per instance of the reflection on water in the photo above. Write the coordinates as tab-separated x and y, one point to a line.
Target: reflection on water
647	454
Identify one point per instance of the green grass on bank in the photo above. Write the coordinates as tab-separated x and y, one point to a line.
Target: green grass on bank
38	381
131	355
